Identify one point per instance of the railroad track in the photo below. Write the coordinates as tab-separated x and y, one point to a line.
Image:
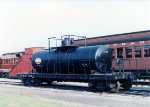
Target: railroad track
139	90
143	79
141	82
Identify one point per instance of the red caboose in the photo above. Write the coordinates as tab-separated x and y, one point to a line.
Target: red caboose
8	62
17	62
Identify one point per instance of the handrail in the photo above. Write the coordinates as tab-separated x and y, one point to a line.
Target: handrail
49	42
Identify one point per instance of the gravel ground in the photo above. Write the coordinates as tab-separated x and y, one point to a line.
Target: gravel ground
79	94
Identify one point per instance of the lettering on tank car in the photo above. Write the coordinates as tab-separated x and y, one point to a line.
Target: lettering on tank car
38	60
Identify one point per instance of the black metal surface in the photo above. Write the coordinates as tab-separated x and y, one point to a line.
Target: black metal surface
73	60
77	77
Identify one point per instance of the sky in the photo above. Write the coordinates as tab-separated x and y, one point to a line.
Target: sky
28	23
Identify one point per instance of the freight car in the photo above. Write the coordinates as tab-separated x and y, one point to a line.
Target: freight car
90	64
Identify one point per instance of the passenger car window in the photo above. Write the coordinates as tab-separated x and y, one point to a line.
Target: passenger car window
147	51
119	52
113	53
128	51
137	51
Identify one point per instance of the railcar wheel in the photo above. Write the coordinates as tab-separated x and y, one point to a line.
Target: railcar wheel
101	86
91	85
24	81
98	86
115	87
30	81
49	82
126	85
34	82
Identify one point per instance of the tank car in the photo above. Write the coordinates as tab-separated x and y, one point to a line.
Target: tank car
90	64
73	60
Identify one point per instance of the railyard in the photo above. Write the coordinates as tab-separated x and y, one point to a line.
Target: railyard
97	55
51	65
74	95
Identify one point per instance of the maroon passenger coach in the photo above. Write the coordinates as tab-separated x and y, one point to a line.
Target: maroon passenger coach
133	48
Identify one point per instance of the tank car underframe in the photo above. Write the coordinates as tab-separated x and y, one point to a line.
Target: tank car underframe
4	74
100	82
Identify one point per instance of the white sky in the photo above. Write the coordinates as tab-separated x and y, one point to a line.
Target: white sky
28	23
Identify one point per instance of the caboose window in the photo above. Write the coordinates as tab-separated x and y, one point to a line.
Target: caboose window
137	51
147	51
7	61
128	52
3	61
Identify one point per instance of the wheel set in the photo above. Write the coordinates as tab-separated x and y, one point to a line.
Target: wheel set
30	81
109	86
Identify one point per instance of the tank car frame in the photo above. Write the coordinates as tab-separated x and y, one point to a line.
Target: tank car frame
101	82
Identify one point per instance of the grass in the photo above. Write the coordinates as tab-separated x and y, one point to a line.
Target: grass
7	100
